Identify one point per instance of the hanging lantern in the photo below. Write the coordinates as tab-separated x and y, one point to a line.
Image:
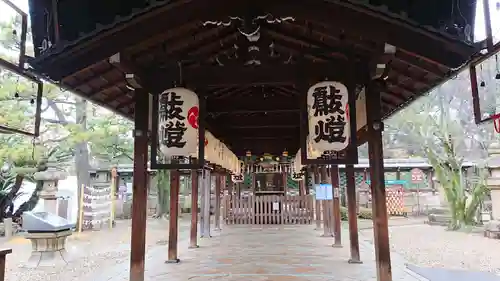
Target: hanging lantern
327	106
248	153
285	153
178	122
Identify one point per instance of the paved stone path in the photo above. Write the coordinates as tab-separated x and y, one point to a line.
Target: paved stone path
268	253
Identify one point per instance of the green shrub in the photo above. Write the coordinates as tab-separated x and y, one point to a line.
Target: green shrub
343	213
364	213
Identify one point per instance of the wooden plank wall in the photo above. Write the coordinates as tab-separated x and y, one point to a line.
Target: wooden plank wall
268	209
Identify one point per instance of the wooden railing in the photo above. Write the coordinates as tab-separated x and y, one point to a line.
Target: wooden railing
3	257
268	209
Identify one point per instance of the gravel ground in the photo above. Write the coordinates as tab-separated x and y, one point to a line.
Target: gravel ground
434	246
88	252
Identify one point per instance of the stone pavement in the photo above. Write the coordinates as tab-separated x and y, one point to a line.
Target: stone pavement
263	253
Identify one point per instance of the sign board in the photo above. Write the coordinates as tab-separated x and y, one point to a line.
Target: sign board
237	178
390	182
323	191
276	206
336	192
417	175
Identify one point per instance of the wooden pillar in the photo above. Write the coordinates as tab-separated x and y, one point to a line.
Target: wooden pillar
307	181
140	198
253	183
376	157
352	214
3	258
487	25
173	221
317	203
218	183
201	183
430	181
327	207
337	223
230	185
193	241
206	204
285	182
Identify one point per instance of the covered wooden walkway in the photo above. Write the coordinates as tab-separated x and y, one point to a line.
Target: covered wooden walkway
258	253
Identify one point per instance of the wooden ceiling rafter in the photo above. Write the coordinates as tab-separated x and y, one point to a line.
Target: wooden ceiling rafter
304	42
258	119
410	60
220	92
304	48
150	45
88	52
256	103
335	33
211	37
241	91
275	91
278	74
93	78
284	47
384	29
307	37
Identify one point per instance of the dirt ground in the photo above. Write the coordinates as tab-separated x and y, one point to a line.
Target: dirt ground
88	251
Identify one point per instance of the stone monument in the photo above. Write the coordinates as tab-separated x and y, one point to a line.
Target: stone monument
492	229
47	231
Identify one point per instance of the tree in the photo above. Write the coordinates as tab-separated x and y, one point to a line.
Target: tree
441	128
67	132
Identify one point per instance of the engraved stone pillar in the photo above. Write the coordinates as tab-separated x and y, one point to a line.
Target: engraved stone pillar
494	179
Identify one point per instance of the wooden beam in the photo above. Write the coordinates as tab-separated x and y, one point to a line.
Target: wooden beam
272	126
279	74
256	120
359	19
254	103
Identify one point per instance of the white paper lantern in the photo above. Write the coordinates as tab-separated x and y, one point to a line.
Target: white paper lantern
327	106
178	122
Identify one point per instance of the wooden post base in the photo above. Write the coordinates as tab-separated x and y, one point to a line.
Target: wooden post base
352	261
173	261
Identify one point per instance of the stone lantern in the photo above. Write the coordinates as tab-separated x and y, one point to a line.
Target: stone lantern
50	178
493	181
47	231
493	228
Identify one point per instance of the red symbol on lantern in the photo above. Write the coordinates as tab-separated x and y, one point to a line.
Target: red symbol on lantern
192	116
206	142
